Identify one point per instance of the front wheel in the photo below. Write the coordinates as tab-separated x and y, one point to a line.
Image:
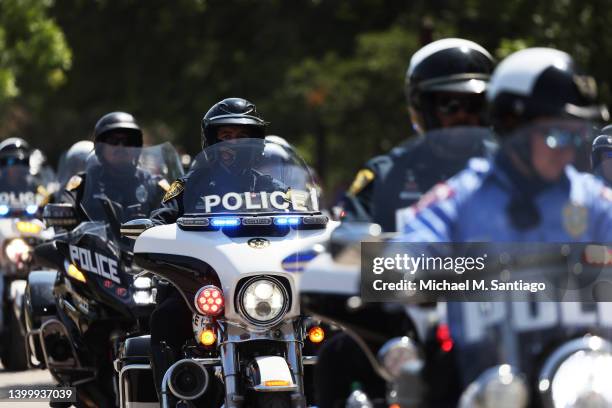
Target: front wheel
14	356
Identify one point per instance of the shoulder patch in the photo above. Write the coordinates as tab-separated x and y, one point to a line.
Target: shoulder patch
175	189
362	179
163	183
74	183
439	192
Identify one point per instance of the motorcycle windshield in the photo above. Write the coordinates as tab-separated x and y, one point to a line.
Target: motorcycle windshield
524	333
123	183
250	176
19	190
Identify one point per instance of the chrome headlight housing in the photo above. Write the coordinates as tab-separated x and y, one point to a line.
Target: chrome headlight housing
498	387
399	352
577	374
263	300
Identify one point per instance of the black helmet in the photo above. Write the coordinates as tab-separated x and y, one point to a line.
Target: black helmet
601	144
448	65
74	161
14	150
231	111
541	82
118	121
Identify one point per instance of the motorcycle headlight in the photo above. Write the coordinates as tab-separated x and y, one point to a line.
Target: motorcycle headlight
398	352
497	387
17	250
143	297
142	282
578	374
263	300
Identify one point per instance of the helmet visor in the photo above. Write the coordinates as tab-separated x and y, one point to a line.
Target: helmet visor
469	86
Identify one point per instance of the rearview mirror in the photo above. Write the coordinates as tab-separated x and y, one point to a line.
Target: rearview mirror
60	215
133	229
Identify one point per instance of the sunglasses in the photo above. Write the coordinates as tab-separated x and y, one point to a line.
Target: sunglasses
559	137
120	140
451	105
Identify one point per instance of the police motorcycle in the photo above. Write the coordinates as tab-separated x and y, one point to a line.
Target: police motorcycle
252	220
527	348
20	231
91	297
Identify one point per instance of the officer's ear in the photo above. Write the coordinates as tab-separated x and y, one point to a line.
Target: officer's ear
417	120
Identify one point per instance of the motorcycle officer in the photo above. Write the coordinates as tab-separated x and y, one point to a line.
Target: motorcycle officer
541	108
16	179
227	120
601	155
445	87
117	143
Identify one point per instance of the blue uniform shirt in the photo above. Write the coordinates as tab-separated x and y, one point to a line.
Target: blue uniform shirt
472	206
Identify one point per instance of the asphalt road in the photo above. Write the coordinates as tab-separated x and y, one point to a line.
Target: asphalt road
31	379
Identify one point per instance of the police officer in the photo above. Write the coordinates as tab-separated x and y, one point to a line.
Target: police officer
231	118
18	186
113	170
445	88
541	107
601	155
14	161
227	120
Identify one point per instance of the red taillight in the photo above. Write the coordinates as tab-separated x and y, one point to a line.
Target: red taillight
209	300
444	338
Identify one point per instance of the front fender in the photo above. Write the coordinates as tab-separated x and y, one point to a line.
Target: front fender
271	374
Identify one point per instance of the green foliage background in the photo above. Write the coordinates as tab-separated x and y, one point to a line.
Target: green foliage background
327	74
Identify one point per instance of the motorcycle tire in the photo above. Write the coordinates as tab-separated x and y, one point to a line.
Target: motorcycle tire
14	357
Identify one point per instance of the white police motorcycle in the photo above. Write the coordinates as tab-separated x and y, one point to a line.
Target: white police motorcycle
252	220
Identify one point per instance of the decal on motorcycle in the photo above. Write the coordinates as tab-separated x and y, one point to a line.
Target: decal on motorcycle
296	200
258	243
479	318
103	265
22	199
298	261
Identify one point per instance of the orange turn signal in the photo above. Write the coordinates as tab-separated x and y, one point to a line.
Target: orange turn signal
208	337
316	334
276	383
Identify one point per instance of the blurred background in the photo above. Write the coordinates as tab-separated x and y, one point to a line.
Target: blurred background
327	74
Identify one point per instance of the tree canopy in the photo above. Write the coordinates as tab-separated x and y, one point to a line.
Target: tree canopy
327	74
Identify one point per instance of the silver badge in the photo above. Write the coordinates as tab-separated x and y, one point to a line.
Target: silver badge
141	194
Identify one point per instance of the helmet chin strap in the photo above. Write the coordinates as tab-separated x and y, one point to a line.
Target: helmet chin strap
522	209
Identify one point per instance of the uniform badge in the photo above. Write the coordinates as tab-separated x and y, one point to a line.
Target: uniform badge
74	183
141	194
175	189
575	219
362	179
